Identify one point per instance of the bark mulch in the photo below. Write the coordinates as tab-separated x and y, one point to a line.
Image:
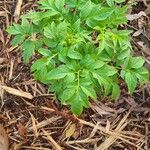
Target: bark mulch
34	120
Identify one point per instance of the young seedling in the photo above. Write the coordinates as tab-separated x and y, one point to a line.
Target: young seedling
82	51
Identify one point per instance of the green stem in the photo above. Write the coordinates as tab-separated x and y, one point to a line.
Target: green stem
78	76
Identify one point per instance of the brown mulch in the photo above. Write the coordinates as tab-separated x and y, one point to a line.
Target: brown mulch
35	120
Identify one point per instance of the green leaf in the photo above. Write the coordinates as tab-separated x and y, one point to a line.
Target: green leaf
35	16
40	75
105	12
45	52
98	64
78	101
58	73
74	54
110	2
137	62
15	29
92	23
115	91
86	9
50	31
131	81
18	39
57	87
107	70
28	49
104	82
51	42
68	93
70	78
76	106
102	45
142	74
76	26
119	1
107	87
123	54
41	63
26	26
50	5
60	4
89	91
57	32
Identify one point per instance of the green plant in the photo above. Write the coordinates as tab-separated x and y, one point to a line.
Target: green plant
80	49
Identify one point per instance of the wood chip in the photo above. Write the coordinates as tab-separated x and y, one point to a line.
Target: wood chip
145	49
112	138
34	125
2	13
4	144
49	138
2	39
147	11
2	60
11	69
44	123
16	92
17	10
107	126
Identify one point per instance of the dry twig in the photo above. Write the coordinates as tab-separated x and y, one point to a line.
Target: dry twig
17	10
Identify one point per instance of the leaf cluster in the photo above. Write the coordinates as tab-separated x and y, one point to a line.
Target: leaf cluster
81	50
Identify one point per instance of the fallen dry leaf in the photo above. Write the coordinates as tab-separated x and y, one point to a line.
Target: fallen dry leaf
16	92
135	16
138	32
70	131
22	130
4	144
100	110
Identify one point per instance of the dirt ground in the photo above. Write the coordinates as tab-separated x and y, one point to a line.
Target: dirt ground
35	120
